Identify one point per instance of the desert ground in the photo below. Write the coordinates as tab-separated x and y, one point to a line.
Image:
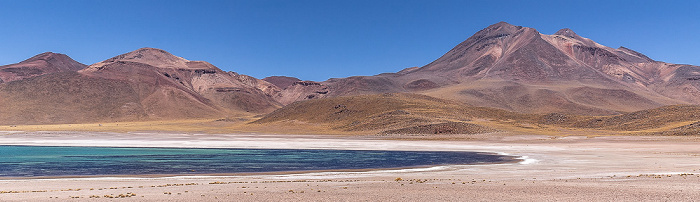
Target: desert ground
552	168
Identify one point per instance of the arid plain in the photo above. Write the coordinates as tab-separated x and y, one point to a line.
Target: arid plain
619	168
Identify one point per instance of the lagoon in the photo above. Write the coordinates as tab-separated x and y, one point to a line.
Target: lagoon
45	161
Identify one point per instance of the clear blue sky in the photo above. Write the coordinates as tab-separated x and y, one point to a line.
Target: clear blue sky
317	40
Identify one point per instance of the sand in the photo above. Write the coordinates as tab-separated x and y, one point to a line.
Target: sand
613	168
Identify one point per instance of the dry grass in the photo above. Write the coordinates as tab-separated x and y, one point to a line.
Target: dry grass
443	128
207	126
412	113
192	125
383	112
662	117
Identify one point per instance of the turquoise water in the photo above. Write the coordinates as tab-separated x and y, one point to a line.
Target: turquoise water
32	161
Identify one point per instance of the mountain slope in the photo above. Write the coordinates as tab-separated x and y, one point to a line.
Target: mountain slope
68	97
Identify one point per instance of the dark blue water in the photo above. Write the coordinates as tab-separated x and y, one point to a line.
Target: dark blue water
31	161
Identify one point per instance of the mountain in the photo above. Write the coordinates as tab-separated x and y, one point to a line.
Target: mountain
162	75
503	66
519	69
38	65
145	84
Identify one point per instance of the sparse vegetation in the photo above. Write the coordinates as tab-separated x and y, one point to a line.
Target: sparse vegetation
420	114
387	112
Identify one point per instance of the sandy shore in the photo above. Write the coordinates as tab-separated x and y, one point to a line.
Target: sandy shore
563	169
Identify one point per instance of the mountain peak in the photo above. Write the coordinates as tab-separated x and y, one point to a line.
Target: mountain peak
567	32
501	29
498	30
60	61
147	53
150	56
504	26
501	24
153	51
45	56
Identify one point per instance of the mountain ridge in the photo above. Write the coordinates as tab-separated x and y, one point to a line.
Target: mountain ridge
149	84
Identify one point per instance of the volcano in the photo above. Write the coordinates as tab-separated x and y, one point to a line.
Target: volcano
519	69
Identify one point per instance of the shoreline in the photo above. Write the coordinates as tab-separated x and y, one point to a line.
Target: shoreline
616	168
507	159
504	158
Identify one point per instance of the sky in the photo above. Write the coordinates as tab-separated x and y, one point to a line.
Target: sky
321	39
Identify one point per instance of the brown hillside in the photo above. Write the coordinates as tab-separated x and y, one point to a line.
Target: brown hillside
302	90
383	112
634	121
420	114
556	98
281	81
685	130
68	97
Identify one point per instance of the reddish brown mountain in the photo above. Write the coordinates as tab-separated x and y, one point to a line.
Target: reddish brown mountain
146	84
38	65
160	74
519	69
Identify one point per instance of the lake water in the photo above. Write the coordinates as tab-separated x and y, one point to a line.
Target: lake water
31	161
